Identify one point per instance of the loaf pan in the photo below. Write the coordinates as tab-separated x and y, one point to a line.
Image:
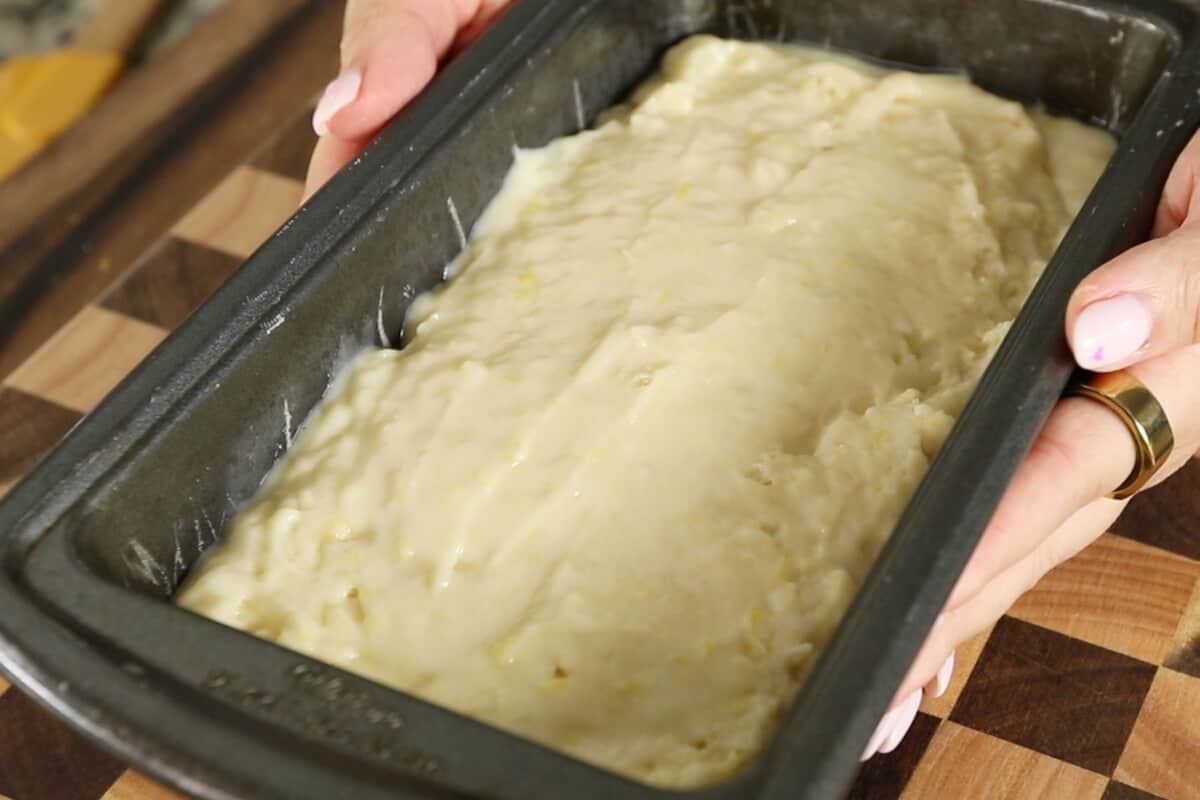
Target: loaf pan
98	537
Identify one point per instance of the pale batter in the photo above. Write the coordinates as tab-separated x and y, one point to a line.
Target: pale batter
624	478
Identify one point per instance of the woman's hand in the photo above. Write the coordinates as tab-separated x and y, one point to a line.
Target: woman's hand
390	51
1139	312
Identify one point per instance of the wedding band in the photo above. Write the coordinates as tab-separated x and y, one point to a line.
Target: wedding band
1142	415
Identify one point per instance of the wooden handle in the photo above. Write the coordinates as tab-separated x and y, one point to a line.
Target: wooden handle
117	25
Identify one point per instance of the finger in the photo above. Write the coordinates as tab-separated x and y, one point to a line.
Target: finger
328	157
390	50
1082	454
905	713
1143	303
936	686
1179	199
954	627
993	578
484	17
893	726
925	676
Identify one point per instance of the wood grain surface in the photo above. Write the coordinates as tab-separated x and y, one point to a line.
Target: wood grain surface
81	215
997	769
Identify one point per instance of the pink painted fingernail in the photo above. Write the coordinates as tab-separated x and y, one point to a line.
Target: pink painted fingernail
942	681
340	93
906	712
882	731
1111	330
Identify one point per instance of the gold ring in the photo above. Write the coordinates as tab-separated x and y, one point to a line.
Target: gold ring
1143	417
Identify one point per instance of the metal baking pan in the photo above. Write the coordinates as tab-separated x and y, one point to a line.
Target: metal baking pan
95	540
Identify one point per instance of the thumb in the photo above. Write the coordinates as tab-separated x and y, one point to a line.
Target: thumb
1143	303
390	51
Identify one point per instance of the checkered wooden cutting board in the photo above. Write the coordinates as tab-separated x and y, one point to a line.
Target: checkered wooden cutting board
1089	688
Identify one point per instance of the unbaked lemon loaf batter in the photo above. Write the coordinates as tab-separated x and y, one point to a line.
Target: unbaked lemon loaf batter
635	458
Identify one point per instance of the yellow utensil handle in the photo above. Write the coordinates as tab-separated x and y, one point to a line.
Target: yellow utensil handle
44	95
116	25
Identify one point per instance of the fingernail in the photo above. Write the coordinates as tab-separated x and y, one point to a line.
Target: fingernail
1111	330
942	681
906	712
880	735
340	93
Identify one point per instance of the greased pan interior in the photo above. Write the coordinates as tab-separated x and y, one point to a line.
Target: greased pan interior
100	534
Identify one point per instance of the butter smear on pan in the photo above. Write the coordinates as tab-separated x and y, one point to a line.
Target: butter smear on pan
636	456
